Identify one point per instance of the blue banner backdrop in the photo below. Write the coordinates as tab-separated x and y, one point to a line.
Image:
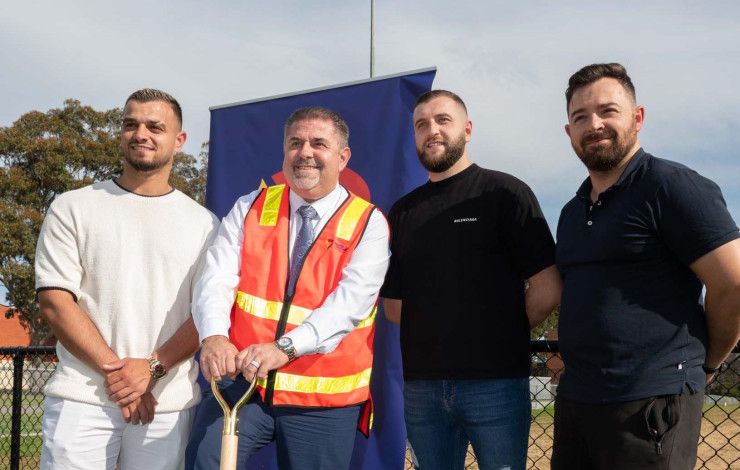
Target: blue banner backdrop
246	145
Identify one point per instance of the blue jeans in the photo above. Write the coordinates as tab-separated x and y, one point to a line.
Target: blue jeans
306	438
442	416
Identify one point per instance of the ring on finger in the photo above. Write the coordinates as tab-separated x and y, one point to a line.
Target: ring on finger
255	363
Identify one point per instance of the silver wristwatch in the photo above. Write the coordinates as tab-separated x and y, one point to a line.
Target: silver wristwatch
285	344
156	368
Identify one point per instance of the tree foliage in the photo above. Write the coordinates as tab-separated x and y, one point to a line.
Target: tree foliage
43	155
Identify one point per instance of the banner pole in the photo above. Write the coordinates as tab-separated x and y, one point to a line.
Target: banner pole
372	38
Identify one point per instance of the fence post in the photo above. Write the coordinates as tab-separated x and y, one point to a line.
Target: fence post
15	435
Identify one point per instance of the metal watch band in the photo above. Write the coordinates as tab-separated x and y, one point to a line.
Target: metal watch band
156	368
289	350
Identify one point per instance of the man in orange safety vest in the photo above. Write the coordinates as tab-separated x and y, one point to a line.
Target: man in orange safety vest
288	297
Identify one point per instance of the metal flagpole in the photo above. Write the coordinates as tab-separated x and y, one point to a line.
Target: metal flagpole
372	38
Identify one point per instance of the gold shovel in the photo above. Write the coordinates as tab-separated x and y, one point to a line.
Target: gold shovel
230	437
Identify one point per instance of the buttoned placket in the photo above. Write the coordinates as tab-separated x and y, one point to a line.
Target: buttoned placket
590	219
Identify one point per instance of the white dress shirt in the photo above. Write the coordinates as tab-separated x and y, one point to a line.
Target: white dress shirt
350	303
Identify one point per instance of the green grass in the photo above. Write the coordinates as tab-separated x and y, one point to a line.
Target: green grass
33	400
30	429
544	414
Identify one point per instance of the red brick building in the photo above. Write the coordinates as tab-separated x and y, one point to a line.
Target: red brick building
12	333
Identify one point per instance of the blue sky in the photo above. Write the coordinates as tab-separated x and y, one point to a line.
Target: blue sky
510	62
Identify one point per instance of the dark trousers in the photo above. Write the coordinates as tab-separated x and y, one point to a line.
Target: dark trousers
657	433
306	438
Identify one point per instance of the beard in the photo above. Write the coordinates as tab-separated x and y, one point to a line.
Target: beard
453	151
605	157
306	178
144	165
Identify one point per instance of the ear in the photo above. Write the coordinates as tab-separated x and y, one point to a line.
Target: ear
468	130
567	129
639	117
344	157
180	139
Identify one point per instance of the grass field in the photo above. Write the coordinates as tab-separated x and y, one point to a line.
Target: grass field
30	430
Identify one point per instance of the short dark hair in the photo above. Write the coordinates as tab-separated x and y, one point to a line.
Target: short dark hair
430	95
146	95
591	73
319	112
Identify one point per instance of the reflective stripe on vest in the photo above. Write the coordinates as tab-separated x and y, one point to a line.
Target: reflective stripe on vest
271	209
351	218
270	310
299	383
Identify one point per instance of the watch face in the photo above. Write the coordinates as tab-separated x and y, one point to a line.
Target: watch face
285	342
159	371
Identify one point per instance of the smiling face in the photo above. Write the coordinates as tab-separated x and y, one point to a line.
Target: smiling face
441	131
314	155
603	123
150	136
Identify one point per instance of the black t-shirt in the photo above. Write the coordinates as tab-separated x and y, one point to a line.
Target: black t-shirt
461	251
631	322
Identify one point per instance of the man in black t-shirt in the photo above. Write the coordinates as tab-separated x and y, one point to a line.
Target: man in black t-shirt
634	247
471	272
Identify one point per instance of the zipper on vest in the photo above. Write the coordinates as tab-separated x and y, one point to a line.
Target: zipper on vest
280	331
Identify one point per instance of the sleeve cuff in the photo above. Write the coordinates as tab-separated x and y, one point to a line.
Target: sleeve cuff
213	328
304	339
58	286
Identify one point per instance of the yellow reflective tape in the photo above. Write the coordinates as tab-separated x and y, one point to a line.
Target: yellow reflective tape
270	310
259	307
351	218
328	385
369	320
271	207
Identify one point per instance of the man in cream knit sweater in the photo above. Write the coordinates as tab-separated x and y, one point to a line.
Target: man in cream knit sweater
115	266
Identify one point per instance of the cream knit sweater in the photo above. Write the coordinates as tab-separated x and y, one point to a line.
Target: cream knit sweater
131	262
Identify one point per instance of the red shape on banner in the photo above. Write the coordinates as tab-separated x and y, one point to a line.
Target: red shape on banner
347	178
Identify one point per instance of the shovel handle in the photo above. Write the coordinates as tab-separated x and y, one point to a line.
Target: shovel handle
229	444
230	436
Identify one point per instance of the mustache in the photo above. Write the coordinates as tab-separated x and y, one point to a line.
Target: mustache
307	163
599	135
429	141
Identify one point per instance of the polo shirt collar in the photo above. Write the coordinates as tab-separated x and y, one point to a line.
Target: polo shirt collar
637	160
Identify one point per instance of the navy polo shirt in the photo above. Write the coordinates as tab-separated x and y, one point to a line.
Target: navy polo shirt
631	319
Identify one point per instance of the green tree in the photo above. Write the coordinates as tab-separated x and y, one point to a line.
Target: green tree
189	174
550	323
43	155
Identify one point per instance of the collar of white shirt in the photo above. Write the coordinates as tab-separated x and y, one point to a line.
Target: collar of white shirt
322	206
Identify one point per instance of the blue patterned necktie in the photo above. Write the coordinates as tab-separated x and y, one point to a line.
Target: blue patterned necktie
302	243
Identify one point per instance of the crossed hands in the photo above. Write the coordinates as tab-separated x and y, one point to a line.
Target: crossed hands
129	382
219	357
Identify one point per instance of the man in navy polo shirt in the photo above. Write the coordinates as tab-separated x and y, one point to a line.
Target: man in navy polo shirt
634	247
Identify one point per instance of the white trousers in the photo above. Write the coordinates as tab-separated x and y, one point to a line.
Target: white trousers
81	436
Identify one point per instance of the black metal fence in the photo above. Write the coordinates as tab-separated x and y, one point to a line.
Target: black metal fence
24	371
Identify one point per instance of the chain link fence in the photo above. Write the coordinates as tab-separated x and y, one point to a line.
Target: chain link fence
719	442
24	371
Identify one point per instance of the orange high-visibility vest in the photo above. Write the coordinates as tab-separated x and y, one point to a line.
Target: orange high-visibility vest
262	313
